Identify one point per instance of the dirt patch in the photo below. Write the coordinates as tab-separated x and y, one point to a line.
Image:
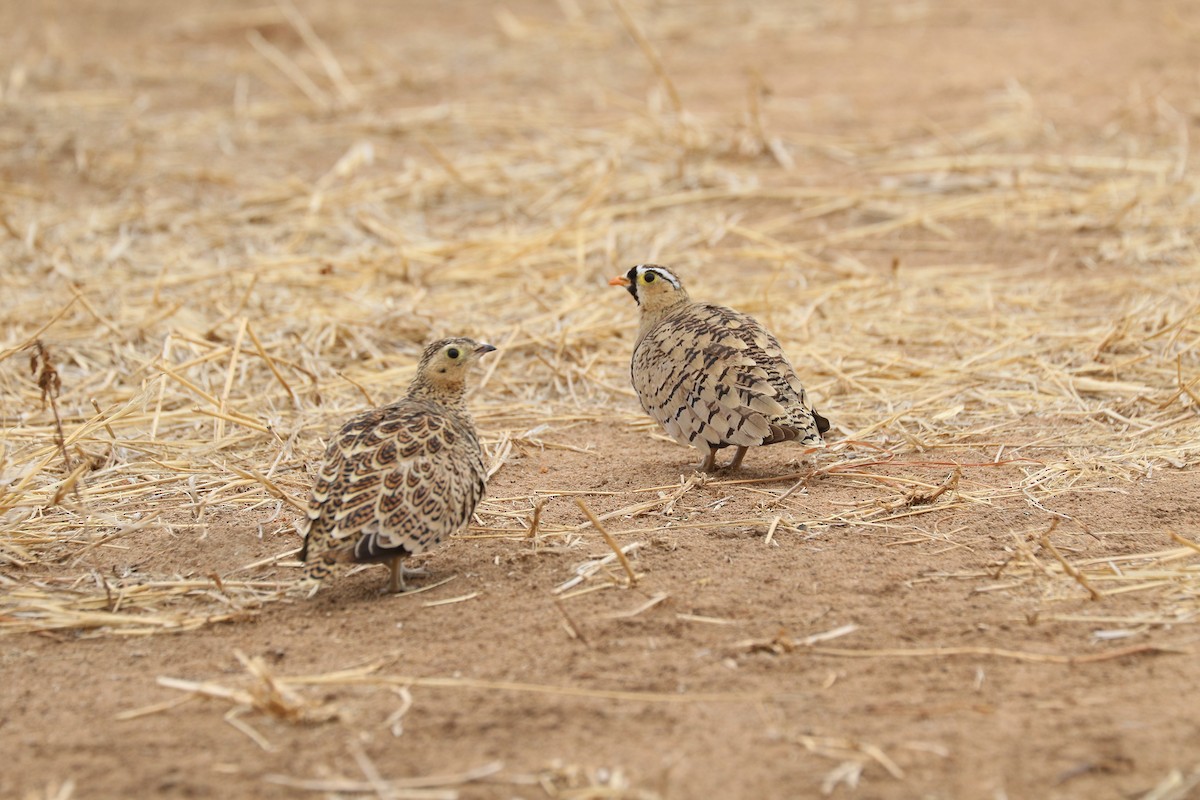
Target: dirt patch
972	229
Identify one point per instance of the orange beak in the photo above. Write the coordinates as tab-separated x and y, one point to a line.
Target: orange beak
620	280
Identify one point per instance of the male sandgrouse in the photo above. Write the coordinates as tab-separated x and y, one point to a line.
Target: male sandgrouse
398	479
713	377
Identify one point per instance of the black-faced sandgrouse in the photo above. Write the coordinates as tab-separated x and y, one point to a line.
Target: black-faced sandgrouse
713	377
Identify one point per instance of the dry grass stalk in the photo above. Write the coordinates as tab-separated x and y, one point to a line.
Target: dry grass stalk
535	520
640	608
782	642
50	384
267	694
324	54
569	623
610	541
1176	786
131	608
999	652
281	696
1066	565
1169	579
650	53
450	600
854	755
431	787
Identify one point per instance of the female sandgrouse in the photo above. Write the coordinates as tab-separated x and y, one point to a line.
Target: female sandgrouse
398	479
713	377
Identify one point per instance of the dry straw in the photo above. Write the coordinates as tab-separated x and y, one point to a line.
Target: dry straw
211	316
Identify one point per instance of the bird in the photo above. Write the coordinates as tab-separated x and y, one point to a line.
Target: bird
398	479
711	376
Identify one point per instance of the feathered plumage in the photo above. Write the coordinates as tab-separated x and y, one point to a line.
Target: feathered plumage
713	377
397	480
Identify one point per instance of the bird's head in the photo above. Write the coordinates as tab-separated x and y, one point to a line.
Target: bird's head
652	286
444	363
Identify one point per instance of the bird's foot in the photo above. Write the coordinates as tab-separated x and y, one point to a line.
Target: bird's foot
399	572
736	461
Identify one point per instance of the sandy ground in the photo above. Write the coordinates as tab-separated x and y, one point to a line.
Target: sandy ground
753	657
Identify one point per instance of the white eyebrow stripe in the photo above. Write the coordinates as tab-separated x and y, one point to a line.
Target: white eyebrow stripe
666	273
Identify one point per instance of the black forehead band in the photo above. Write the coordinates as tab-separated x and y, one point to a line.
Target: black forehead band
632	287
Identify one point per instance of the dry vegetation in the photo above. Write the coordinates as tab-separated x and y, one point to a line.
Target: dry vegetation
220	243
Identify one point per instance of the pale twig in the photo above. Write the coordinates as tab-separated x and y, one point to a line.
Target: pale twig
610	541
1068	568
289	68
650	53
316	44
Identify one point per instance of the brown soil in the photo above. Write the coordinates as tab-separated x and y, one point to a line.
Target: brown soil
975	667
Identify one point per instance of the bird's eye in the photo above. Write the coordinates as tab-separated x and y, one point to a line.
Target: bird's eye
452	352
648	277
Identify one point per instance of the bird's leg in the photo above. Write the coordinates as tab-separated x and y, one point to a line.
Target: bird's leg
399	572
737	459
396	584
710	459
